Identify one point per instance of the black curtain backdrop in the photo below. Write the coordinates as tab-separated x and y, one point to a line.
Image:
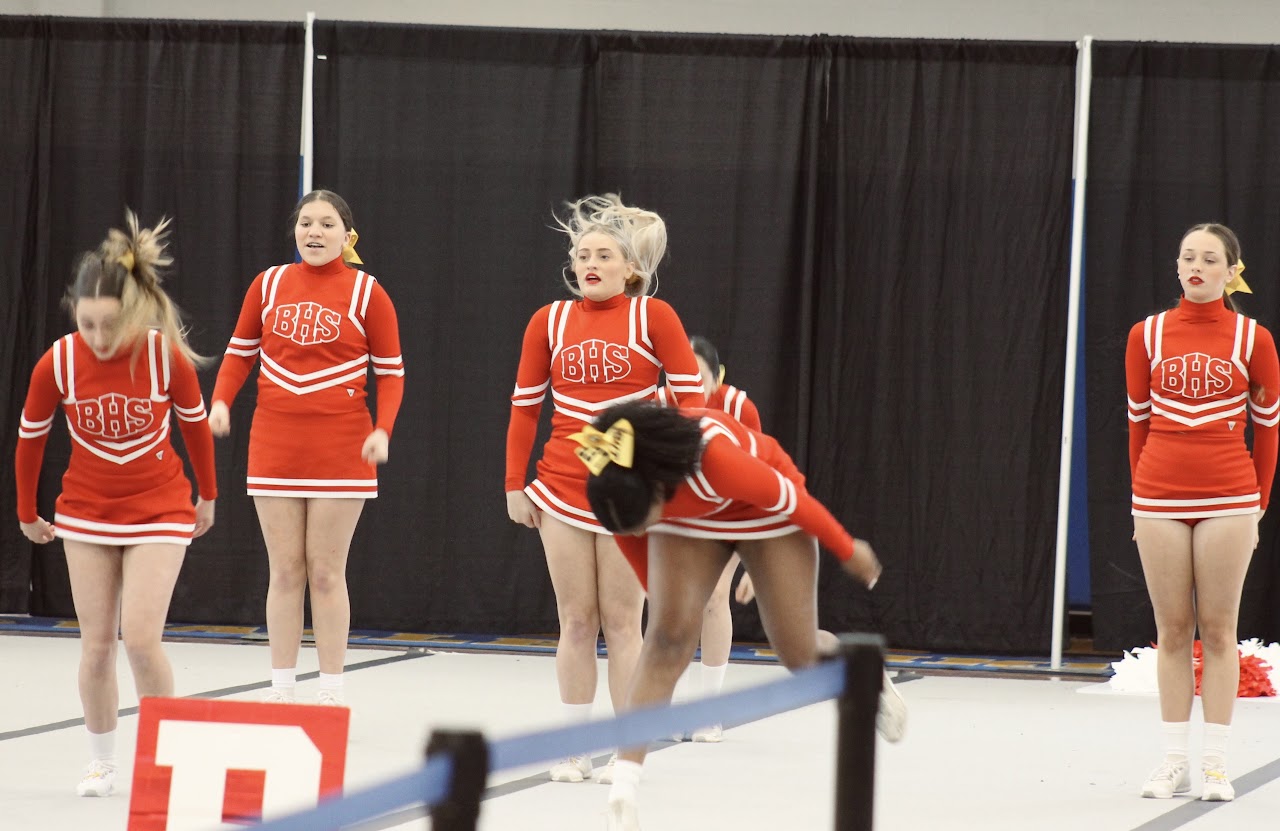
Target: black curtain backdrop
1179	134
196	121
874	234
940	339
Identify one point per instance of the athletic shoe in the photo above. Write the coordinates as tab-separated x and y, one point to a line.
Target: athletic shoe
1173	776
330	698
891	717
713	734
99	779
622	815
1217	787
573	769
605	774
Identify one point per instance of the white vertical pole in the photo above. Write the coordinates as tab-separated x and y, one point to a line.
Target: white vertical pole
1079	168
308	85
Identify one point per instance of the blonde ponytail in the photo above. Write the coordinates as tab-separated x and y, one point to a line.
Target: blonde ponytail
127	266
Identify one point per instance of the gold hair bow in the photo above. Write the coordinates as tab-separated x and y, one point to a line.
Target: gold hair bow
126	259
617	445
349	254
1237	282
720	380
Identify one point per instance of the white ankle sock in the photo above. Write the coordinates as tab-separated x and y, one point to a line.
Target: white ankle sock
710	679
284	679
331	681
574	713
1215	743
1177	737
103	746
626	780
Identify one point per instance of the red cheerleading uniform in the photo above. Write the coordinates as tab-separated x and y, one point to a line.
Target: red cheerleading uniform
317	331
1191	374
124	484
592	355
730	399
746	487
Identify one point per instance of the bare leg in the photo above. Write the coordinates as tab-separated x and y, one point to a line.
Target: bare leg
717	622
571	559
96	574
331	523
1164	546
284	528
785	573
150	573
621	605
1221	550
682	574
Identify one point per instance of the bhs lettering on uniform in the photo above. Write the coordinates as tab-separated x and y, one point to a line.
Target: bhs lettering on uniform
307	323
595	362
113	416
1196	375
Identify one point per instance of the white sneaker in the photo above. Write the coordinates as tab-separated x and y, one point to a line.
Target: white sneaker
1217	787
891	716
622	815
1173	776
330	698
573	769
713	734
278	695
605	774
99	779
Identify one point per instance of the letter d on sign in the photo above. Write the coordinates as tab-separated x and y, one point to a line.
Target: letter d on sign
201	762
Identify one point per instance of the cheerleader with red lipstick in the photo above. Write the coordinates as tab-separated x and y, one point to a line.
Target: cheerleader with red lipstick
1194	374
318	327
125	513
607	346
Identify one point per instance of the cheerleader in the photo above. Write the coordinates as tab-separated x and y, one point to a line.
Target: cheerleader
1192	373
318	327
125	512
608	345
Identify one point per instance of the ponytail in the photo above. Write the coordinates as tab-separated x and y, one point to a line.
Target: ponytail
127	266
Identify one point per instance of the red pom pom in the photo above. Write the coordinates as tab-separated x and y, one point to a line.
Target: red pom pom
1255	678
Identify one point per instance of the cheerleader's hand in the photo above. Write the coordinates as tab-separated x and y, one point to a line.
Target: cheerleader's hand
522	510
204	517
39	532
374	450
864	564
746	591
219	419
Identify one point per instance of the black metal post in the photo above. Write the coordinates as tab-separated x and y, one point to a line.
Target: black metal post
460	810
863	657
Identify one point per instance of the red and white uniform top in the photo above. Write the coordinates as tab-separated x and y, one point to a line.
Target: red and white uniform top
746	487
730	399
590	356
124	484
1194	374
317	331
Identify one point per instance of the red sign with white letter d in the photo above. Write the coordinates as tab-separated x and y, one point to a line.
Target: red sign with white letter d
201	763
